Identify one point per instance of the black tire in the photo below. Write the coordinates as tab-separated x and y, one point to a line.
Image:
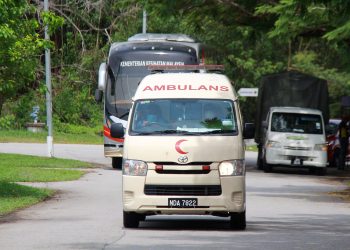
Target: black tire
238	221
117	162
318	170
336	159
321	171
259	162
267	167
131	219
312	170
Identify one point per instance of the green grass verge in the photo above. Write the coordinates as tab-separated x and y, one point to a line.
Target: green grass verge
23	168
40	137
252	148
14	196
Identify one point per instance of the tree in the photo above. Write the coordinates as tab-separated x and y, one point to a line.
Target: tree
254	38
21	47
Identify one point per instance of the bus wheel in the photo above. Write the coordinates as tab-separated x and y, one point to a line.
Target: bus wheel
117	162
238	221
131	219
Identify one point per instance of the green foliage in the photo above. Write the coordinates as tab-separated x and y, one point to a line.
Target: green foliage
17	168
20	50
90	135
52	21
251	38
21	168
14	196
77	129
7	122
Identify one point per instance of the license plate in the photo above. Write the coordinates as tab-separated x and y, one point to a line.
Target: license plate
297	161
183	202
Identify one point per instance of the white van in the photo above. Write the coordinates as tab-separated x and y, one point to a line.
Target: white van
295	137
184	151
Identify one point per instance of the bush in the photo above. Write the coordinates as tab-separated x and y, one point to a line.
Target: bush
7	122
76	129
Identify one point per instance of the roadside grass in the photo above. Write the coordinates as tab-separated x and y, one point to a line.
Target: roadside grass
253	148
40	137
21	168
14	196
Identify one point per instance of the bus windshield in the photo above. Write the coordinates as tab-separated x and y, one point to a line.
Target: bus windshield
183	116
296	123
128	68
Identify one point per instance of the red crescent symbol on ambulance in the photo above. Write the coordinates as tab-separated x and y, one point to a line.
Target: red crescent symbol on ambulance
177	147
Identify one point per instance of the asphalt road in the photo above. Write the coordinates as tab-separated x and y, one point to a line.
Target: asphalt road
285	210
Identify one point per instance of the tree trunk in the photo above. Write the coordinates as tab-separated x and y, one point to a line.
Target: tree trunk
2	101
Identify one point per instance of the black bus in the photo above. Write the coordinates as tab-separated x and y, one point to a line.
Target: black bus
126	65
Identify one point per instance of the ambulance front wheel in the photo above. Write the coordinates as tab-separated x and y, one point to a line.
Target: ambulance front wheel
117	162
238	221
131	219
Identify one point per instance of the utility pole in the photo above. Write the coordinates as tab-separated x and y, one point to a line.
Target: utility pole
144	23
48	89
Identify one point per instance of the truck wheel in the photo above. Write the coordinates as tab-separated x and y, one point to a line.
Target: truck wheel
238	221
131	219
267	167
321	171
117	162
259	161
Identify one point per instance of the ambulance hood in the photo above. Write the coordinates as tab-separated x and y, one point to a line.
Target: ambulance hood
185	149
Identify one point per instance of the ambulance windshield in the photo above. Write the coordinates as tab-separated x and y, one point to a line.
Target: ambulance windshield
183	116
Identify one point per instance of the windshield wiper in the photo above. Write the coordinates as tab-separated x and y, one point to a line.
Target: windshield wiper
168	131
183	132
218	131
142	133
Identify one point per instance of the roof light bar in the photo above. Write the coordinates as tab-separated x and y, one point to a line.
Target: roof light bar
206	67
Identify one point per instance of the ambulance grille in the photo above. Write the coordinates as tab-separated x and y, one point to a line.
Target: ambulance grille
187	190
183	171
165	163
298	148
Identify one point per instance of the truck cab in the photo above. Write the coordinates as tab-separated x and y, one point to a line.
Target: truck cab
184	149
294	137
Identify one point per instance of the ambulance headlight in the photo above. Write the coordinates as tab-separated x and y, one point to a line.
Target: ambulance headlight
232	168
134	168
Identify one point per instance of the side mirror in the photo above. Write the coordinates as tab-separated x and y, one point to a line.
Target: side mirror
248	131
117	130
98	95
102	76
264	124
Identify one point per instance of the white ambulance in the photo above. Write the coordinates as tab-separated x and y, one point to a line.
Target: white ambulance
184	149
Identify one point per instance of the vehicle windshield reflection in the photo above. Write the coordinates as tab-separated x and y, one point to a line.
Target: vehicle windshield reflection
183	116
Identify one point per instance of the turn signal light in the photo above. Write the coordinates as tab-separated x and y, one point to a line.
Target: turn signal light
206	168
159	167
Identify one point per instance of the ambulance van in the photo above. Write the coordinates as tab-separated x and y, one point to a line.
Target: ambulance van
184	149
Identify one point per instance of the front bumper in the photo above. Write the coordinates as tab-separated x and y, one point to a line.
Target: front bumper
297	158
231	199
